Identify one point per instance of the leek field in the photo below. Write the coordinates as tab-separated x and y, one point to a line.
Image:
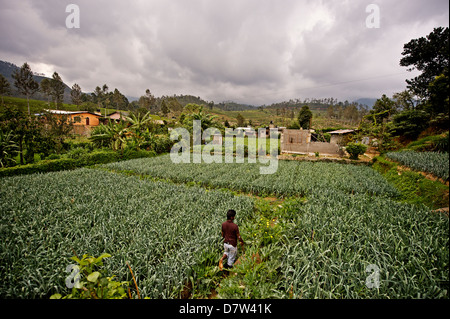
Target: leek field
312	230
430	162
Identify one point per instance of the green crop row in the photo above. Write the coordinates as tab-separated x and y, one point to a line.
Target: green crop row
338	243
291	177
347	229
163	230
430	162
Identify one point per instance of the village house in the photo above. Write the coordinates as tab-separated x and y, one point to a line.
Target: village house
82	121
340	137
117	116
300	142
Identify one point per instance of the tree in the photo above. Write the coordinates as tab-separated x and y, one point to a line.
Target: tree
207	120
304	117
147	101
97	96
330	112
105	89
240	120
439	99
404	100
138	120
119	100
75	94
429	55
25	83
57	89
59	127
45	87
113	135
164	108
5	88
174	105
383	108
106	100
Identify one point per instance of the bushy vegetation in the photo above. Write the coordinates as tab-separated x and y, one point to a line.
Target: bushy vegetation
355	150
413	187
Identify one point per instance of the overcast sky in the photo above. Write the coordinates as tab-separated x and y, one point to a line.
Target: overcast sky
249	51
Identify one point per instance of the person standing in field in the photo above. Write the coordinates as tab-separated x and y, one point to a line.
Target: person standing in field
230	234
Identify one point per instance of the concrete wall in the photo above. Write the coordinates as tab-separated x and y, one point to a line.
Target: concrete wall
299	141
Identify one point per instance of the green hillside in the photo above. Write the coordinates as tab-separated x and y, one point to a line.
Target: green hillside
7	69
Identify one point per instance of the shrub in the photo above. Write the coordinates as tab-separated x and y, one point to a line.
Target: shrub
130	153
355	149
410	123
92	282
162	144
53	156
101	157
76	153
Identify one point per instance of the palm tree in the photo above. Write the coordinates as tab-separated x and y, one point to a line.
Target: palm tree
138	121
207	120
112	135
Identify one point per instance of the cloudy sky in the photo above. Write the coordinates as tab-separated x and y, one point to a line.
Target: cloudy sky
248	51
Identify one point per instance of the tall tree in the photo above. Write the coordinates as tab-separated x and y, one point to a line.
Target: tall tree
304	117
75	94
383	108
45	87
106	100
25	83
148	101
430	55
240	120
57	88
5	88
97	96
119	100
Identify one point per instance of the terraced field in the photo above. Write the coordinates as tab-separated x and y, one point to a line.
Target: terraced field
327	231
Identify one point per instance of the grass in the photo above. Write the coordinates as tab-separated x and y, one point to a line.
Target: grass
427	143
413	186
36	106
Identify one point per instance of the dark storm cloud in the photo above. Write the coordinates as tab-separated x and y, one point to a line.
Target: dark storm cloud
256	51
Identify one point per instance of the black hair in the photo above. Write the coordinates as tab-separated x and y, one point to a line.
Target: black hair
231	213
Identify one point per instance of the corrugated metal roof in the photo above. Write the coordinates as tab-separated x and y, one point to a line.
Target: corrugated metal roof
341	131
70	112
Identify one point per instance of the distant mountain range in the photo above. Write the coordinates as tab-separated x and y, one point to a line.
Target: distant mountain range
370	102
7	69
